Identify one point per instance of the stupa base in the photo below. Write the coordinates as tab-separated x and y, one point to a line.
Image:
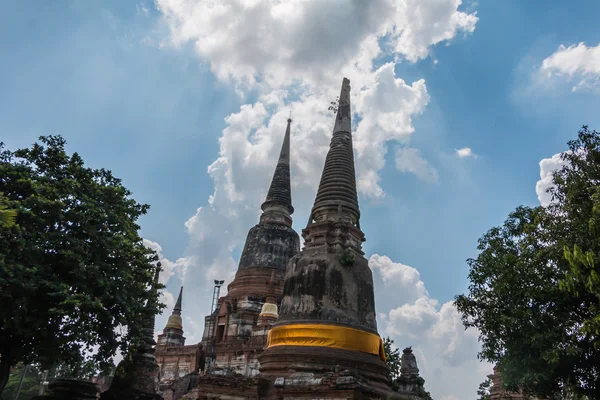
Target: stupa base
305	368
338	386
303	393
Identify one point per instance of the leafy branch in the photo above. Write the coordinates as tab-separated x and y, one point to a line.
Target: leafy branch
334	105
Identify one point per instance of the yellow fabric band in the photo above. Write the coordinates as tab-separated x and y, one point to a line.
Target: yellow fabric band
338	337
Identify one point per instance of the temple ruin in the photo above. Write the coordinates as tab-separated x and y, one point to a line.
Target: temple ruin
294	323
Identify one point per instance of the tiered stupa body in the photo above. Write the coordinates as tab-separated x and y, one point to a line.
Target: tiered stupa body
249	309
327	316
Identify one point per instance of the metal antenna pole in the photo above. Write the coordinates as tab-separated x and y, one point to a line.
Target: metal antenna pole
213	317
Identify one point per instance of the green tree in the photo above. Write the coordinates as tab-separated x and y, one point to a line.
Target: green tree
7	216
334	105
532	296
578	193
30	387
74	273
392	358
584	274
483	392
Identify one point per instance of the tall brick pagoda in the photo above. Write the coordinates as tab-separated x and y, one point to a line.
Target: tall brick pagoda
249	309
327	323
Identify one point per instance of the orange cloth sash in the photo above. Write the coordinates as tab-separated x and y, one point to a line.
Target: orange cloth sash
338	337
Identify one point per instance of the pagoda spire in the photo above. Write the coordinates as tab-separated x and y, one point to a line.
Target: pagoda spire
279	197
175	318
272	242
337	189
177	308
173	331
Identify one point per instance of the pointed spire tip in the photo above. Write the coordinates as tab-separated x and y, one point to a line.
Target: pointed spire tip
337	188
280	189
178	303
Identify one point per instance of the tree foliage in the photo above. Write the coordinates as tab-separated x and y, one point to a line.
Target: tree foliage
30	386
392	358
74	273
483	392
533	291
7	216
334	105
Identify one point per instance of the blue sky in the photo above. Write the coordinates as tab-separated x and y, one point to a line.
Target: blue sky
136	88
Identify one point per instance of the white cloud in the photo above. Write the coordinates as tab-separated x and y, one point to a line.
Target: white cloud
578	62
421	24
168	268
387	109
193	330
465	152
279	42
547	168
445	351
397	274
410	160
168	299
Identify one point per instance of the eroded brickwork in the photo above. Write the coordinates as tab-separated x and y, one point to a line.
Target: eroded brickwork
241	332
175	362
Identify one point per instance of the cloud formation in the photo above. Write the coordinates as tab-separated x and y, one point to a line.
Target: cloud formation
168	269
465	152
420	24
578	62
446	352
410	160
276	42
547	168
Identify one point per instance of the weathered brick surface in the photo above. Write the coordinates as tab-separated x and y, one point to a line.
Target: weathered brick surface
175	362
